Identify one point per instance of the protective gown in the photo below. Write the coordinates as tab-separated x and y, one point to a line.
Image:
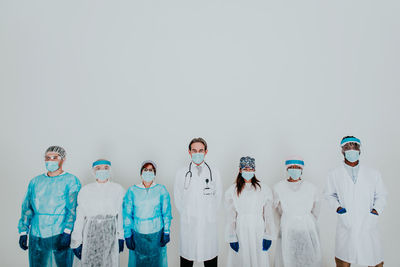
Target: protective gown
99	224
249	221
357	233
298	244
49	209
147	214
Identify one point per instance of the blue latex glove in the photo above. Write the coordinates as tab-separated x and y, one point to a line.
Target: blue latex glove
341	210
266	244
78	252
23	242
64	241
121	245
130	242
234	246
164	239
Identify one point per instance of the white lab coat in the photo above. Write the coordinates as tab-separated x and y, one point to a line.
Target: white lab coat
98	199
357	234
298	243
198	212
249	221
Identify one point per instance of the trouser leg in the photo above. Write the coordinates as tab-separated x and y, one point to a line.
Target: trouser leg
211	263
340	263
186	263
62	257
39	251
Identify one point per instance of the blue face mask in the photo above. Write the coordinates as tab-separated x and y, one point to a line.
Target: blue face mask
52	166
198	158
294	173
103	175
352	155
247	175
148	176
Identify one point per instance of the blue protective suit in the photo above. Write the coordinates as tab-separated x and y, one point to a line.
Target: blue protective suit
49	208
147	214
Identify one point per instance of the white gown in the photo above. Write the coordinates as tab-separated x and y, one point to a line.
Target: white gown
249	221
357	233
298	244
99	210
198	209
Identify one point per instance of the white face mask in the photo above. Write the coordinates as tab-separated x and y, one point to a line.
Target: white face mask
295	173
148	176
352	155
247	175
103	175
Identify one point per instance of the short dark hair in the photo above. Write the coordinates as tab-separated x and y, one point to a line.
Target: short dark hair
145	166
198	140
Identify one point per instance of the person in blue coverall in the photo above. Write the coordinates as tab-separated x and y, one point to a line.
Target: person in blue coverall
147	219
48	213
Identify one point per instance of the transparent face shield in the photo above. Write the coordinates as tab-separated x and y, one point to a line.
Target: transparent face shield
351	146
102	172
351	151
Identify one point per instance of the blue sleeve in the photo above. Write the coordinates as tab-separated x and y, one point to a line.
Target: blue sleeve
166	209
72	200
26	211
127	213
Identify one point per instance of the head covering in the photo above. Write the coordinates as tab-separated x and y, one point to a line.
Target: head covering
101	162
57	149
247	162
149	162
350	140
294	161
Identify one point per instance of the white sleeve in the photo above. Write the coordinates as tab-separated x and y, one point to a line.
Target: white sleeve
330	193
178	191
231	216
380	195
77	233
269	223
120	221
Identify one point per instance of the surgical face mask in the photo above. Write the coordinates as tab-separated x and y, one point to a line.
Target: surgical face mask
352	155
198	158
294	173
148	176
247	175
52	166
103	175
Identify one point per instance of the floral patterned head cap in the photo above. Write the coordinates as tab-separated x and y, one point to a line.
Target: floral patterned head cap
247	162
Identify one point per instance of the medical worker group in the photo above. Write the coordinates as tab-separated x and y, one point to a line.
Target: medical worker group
59	219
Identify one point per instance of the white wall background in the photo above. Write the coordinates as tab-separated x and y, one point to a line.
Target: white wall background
135	80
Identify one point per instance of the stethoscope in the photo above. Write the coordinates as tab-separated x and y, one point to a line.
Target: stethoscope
189	172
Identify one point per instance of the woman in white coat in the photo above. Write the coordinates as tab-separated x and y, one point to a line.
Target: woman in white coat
250	223
297	202
358	196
